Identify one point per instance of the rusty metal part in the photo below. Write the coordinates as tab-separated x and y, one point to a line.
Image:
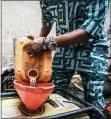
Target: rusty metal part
25	111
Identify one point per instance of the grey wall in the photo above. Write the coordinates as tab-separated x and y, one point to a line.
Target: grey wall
21	18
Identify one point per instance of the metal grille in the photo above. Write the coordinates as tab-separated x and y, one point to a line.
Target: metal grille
7	82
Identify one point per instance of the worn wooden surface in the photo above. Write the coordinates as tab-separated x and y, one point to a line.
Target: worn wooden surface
10	108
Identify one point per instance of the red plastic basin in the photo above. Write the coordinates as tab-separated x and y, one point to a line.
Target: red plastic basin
33	97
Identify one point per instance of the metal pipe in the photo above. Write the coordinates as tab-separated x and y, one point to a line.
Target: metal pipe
70	114
9	94
84	102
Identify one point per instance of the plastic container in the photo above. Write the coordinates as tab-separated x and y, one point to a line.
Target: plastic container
33	97
42	62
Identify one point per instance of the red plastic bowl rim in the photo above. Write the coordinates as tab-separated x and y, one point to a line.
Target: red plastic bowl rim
15	82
